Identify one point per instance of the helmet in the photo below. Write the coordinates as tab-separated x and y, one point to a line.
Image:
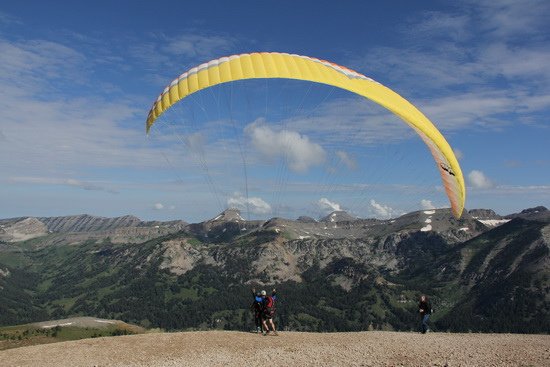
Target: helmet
264	293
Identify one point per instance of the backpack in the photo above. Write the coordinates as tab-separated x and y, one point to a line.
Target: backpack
269	306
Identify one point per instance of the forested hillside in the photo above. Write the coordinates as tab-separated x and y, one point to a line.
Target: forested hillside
343	276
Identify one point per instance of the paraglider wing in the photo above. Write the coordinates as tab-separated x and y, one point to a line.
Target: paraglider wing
282	65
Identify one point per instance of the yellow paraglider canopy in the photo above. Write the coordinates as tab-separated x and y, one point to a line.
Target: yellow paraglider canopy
282	65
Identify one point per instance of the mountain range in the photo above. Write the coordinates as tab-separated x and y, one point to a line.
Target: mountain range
482	272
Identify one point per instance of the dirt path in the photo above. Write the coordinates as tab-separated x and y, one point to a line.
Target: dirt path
218	348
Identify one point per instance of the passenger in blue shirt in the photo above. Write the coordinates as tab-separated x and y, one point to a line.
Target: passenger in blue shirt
257	309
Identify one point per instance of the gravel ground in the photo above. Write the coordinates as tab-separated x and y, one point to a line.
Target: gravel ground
219	348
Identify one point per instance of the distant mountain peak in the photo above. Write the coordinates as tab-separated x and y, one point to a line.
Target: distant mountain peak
537	209
338	216
537	213
228	215
484	214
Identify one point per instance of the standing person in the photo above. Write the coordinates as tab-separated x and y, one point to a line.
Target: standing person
269	311
425	310
257	309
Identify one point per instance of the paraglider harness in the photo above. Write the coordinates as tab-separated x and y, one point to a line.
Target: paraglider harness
269	307
257	306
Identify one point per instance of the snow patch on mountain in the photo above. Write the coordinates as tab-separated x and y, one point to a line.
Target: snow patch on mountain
493	222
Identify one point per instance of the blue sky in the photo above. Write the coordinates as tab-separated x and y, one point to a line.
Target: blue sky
78	78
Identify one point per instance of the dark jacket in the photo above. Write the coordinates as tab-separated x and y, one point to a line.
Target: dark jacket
257	305
426	307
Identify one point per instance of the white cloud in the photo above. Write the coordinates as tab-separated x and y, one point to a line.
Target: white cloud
161	206
517	62
300	153
476	42
89	186
510	19
256	205
464	110
76	133
458	153
427	204
383	211
193	45
39	62
195	142
478	180
484	108
7	19
435	25
513	163
494	70
47	128
543	190
346	159
351	121
328	206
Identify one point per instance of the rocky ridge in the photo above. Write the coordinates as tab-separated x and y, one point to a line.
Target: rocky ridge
230	224
78	228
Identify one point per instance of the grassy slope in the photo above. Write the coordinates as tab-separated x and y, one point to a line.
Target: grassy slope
27	335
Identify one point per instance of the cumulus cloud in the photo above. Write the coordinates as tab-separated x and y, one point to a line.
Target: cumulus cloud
479	180
297	149
346	159
426	204
383	211
328	206
161	206
256	205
